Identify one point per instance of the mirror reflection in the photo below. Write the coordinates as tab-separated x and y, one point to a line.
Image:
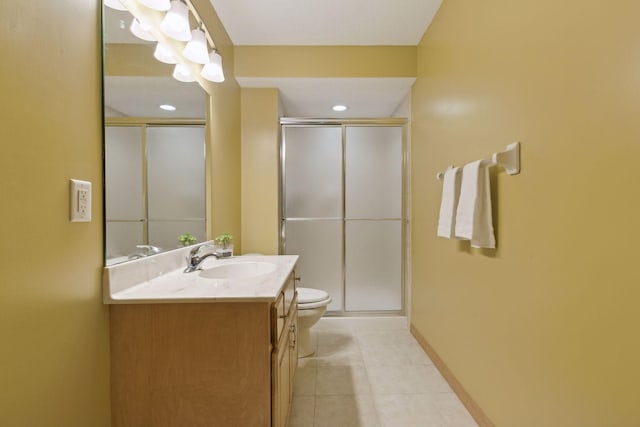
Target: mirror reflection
154	149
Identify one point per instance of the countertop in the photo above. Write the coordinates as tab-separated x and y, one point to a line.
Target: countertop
156	280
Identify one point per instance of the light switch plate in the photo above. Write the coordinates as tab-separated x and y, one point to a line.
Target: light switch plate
80	197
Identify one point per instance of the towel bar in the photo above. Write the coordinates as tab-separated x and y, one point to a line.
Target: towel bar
509	159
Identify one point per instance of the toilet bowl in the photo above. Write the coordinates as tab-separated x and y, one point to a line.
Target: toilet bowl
312	303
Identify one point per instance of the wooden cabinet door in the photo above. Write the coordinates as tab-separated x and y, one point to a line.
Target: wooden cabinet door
282	384
293	347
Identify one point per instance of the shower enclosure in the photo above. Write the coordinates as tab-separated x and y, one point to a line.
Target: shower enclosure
343	210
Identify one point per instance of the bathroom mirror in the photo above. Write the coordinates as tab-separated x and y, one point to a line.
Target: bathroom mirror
154	148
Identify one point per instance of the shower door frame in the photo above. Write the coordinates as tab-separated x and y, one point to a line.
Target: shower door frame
343	124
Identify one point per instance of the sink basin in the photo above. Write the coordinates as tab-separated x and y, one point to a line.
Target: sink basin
238	270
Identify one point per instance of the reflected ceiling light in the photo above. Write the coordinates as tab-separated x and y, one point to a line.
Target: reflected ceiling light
339	108
161	5
196	50
164	54
141	30
182	74
212	71
167	107
175	23
114	4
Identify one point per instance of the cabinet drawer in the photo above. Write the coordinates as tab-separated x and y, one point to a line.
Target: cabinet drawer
282	308
289	292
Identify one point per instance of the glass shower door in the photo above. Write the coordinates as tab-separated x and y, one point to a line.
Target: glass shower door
313	206
373	218
343	212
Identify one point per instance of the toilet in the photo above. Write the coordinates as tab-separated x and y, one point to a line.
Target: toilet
312	303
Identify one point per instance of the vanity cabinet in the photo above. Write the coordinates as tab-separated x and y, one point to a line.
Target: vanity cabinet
285	355
211	363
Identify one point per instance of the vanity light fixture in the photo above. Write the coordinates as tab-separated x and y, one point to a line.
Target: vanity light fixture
175	23
213	71
141	31
196	49
114	4
182	74
167	107
161	5
163	54
191	56
339	108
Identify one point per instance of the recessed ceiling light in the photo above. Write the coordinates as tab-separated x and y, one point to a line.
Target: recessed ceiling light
167	107
339	108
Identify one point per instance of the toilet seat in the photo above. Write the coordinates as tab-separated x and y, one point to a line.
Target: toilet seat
312	298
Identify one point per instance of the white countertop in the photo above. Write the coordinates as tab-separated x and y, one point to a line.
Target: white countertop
156	280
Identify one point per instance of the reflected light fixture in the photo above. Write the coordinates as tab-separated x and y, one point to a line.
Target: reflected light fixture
182	74
163	54
167	107
212	71
161	5
175	23
114	4
141	31
196	49
339	108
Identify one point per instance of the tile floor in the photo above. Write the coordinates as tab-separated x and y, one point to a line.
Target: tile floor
366	374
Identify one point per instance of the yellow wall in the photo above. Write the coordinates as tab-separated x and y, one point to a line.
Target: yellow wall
224	137
260	151
54	363
325	61
543	331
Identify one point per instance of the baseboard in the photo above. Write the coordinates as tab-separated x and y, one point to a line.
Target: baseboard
473	408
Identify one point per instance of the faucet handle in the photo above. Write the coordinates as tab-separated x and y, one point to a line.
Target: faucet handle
196	249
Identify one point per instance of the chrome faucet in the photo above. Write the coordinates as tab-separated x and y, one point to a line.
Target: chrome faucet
194	261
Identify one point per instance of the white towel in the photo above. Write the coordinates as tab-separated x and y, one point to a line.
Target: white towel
450	192
473	216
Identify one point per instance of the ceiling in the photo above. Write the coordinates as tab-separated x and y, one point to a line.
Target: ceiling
287	22
328	23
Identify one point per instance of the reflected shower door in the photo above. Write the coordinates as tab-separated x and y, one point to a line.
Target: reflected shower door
124	198
312	211
176	184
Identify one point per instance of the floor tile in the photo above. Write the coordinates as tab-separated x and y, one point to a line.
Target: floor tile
408	410
339	355
342	380
370	373
406	379
305	381
346	411
302	411
453	411
333	338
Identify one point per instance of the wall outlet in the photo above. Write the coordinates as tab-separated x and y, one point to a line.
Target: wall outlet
80	206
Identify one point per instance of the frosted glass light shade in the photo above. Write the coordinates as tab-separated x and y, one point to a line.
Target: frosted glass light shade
161	5
212	70
114	4
141	31
163	54
196	50
175	23
182	74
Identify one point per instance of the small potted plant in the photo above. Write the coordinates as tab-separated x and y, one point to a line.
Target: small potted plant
225	247
187	239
